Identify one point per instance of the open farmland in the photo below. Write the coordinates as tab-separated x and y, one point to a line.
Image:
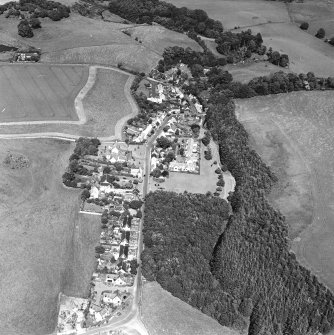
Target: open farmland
40	93
46	246
272	20
240	13
82	40
158	38
107	104
294	135
163	313
319	14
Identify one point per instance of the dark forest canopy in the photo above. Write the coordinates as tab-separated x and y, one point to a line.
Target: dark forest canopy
166	14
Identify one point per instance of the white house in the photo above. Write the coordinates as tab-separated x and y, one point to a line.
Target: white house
94	192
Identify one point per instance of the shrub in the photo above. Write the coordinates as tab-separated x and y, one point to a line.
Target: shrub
304	26
320	33
35	23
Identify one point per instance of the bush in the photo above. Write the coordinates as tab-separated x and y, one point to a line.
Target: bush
35	23
304	26
320	33
24	29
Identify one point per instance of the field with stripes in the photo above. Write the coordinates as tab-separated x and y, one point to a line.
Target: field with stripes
40	92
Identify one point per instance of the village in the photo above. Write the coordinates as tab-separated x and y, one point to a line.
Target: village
112	179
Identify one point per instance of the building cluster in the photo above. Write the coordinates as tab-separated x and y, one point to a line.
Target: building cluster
115	178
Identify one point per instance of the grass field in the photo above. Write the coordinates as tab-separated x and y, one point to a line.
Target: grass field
241	13
45	245
246	72
40	93
157	38
106	102
162	313
294	135
79	39
319	14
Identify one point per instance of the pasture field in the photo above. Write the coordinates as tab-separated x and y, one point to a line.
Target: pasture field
107	105
157	38
240	13
107	102
319	14
294	135
163	313
40	93
82	40
246	72
46	245
272	20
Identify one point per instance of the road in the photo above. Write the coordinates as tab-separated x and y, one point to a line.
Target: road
132	320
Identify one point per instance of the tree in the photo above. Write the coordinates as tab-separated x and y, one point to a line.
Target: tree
331	41
107	170
24	29
35	23
99	249
246	307
218	171
85	194
156	173
163	142
221	182
284	60
304	26
118	166
320	33
135	204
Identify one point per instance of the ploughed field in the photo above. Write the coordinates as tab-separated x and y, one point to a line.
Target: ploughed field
46	246
294	133
40	92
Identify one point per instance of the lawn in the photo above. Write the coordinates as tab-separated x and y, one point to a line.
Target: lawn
45	245
39	92
163	313
294	135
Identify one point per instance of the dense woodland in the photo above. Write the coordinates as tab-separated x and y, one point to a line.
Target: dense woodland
166	14
180	233
254	270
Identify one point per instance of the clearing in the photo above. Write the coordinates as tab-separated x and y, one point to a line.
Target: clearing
46	246
163	313
39	92
294	135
